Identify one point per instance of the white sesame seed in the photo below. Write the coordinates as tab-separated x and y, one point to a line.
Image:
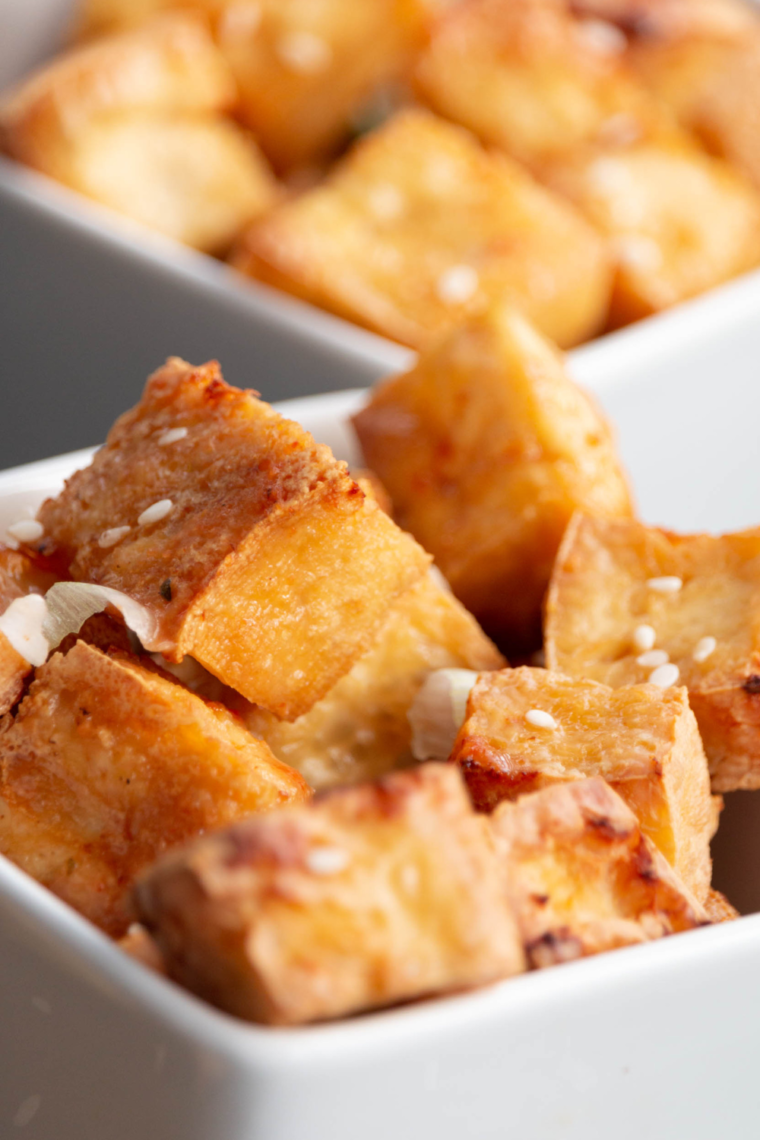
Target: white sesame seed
666	585
457	284
540	719
704	647
112	536
653	657
304	52
173	435
637	251
327	860
602	36
386	201
26	530
156	512
643	638
664	675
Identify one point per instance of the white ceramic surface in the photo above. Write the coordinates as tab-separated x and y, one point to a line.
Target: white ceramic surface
653	1043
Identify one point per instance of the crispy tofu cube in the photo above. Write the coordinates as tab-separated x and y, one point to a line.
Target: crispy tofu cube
248	543
107	764
134	122
719	909
360	729
418	226
19	575
303	69
486	448
370	896
525	76
528	729
581	876
699	594
679	221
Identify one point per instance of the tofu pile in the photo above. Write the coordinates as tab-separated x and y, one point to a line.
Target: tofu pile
313	786
407	164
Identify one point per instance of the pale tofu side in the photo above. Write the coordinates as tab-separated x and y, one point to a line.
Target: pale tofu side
418	225
134	122
367	897
268	564
107	765
360	730
642	740
487	448
701	596
581	876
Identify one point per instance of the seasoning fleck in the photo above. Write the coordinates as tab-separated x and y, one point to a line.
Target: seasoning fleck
156	512
26	530
112	536
165	590
669	584
664	675
704	647
540	719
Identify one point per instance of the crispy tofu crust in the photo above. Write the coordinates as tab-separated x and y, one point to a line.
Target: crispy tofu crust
487	448
599	595
107	765
371	896
272	567
641	739
360	729
719	909
581	876
418	226
19	575
133	121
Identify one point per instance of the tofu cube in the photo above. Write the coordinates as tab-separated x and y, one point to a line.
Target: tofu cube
369	896
528	729
360	730
700	595
581	876
487	448
419	226
134	121
248	543
679	221
108	764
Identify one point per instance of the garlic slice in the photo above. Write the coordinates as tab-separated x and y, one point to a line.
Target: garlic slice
439	711
23	624
70	604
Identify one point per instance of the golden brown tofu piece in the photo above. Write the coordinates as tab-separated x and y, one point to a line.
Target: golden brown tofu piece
303	69
698	599
418	226
360	729
487	447
108	764
679	221
19	575
528	729
581	876
527	77
258	555
719	909
367	897
134	121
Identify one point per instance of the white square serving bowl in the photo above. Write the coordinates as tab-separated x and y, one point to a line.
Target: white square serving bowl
657	1042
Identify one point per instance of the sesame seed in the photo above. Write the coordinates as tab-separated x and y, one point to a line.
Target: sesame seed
704	647
666	585
26	530
156	512
643	638
664	675
540	719
173	435
653	657
112	536
602	36
304	52
457	284
327	860
385	201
